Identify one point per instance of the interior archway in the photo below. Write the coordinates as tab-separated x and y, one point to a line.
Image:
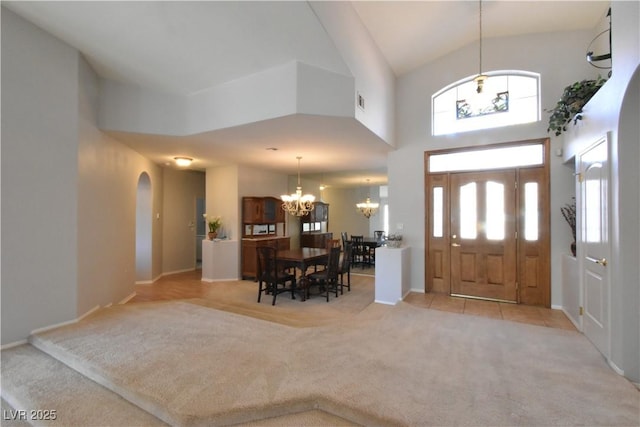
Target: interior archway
144	217
628	229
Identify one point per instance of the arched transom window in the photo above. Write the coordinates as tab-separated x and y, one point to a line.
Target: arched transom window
507	98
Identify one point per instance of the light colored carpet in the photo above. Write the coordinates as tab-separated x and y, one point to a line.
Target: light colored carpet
33	381
389	365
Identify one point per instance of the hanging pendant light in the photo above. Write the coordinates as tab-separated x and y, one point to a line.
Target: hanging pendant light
297	204
480	78
367	208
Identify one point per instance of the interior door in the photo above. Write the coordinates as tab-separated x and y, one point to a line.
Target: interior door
594	244
483	235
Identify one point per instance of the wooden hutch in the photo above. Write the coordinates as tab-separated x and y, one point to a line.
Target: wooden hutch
263	224
313	227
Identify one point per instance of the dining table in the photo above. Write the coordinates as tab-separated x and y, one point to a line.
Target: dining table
302	259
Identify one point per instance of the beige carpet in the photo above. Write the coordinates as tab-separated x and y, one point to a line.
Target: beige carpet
193	365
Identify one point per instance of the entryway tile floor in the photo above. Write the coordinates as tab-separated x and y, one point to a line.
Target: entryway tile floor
497	310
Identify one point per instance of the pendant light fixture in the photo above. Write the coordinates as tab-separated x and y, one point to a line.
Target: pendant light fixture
297	204
480	78
367	208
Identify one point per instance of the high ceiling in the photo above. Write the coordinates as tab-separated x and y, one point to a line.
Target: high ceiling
184	47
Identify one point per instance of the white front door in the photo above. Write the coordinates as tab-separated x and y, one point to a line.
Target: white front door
594	251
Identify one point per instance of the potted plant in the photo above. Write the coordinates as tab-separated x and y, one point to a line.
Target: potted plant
569	214
214	223
570	105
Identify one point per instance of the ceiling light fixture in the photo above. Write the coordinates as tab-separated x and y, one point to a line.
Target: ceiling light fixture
367	208
480	78
183	162
297	204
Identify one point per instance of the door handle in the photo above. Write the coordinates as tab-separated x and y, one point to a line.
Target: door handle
455	245
602	262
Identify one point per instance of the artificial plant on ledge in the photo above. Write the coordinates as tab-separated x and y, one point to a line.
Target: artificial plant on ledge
569	107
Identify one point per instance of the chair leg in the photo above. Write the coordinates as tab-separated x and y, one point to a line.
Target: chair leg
274	289
259	290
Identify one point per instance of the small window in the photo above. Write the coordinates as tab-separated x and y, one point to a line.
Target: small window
531	211
438	212
508	98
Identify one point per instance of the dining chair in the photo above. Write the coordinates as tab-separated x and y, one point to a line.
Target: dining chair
379	236
333	243
345	267
345	237
360	251
327	279
271	276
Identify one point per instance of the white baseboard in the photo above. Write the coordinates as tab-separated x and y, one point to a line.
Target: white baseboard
167	273
13	344
420	291
557	307
615	367
230	279
127	299
68	322
571	319
161	275
384	302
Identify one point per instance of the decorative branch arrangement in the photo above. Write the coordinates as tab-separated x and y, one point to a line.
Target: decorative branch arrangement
569	214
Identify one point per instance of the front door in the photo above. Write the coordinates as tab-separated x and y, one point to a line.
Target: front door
483	235
594	245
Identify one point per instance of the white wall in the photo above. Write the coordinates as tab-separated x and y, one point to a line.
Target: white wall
39	179
558	57
374	78
108	174
290	88
181	189
615	109
68	189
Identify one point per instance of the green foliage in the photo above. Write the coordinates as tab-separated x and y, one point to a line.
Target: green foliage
569	107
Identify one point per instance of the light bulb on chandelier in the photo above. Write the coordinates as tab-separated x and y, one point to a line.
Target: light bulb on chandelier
297	204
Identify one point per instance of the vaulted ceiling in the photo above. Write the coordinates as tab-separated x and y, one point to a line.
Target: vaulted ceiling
185	47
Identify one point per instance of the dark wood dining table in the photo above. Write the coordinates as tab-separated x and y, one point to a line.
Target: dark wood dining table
302	259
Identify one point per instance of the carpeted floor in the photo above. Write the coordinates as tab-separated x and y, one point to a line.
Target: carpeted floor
387	365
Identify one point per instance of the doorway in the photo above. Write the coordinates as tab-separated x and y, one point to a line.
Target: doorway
144	222
594	249
487	226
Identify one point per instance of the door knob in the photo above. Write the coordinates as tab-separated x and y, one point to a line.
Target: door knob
602	262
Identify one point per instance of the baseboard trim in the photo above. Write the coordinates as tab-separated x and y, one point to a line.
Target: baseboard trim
384	302
557	307
13	344
615	367
420	291
68	322
168	273
146	282
571	319
231	279
128	298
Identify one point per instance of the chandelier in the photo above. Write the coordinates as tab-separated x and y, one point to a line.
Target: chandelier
297	204
480	78
367	208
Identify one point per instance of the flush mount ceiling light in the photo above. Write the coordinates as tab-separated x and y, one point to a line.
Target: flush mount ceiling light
297	204
183	161
480	78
